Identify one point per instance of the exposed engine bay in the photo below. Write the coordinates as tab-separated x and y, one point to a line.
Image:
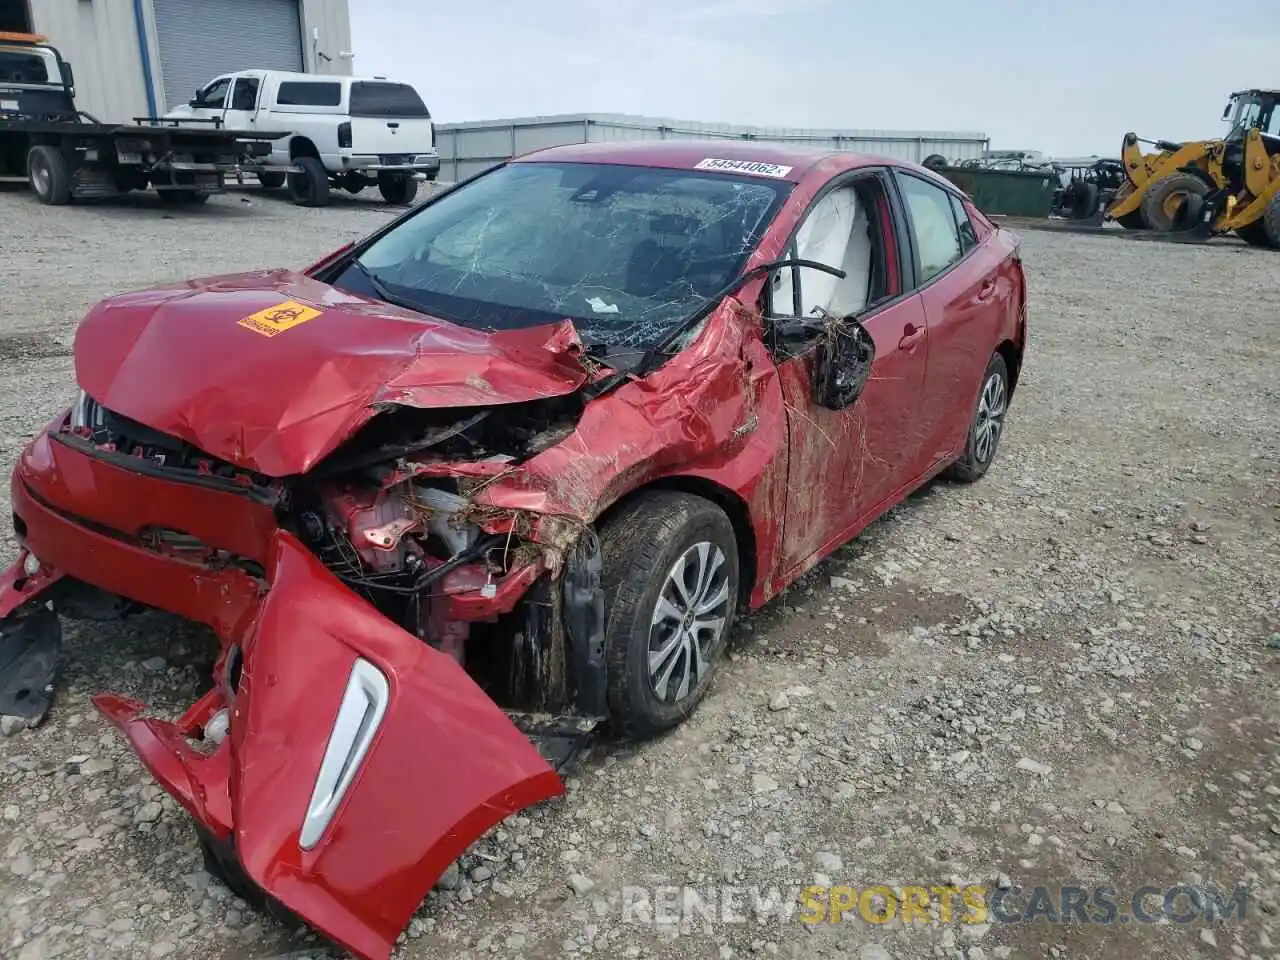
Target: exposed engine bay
387	518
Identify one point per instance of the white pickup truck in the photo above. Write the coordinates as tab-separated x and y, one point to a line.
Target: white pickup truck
348	132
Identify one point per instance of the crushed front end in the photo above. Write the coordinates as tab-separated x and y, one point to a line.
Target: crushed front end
392	649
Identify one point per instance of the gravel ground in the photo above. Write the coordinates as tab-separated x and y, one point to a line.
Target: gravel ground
1064	674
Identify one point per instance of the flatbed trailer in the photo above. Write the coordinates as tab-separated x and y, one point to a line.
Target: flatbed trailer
66	154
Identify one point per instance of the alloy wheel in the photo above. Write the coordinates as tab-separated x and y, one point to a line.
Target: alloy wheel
688	622
991	410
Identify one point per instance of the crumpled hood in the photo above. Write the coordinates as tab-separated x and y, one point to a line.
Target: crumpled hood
273	370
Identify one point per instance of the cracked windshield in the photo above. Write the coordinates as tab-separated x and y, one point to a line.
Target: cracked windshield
625	252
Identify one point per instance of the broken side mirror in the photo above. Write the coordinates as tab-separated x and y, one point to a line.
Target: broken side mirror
842	364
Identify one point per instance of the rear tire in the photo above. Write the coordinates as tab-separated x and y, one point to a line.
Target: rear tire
1171	203
48	175
670	557
987	425
310	188
397	188
1084	201
271	180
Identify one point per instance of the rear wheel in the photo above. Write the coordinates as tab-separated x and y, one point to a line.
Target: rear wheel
671	591
397	188
310	188
271	179
987	425
48	174
1174	202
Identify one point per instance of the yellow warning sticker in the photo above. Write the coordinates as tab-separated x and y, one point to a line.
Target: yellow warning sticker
278	319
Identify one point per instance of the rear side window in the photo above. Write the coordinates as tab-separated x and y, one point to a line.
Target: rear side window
386	100
933	224
306	93
968	236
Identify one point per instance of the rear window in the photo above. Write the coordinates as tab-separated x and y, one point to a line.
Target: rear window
302	93
18	67
386	100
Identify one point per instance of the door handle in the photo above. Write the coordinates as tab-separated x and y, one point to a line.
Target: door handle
988	290
911	335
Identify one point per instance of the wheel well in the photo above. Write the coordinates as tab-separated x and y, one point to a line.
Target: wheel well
1012	355
302	147
735	509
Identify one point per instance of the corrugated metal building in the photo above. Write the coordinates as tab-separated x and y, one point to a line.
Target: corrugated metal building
468	148
142	57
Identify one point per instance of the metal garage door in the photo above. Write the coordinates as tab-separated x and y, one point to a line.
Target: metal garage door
200	39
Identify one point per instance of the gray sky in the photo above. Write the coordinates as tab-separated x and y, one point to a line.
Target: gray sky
1065	78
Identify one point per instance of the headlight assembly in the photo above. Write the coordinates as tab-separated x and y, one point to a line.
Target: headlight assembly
85	413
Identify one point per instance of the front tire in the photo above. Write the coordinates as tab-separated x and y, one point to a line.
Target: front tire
1265	231
987	425
310	188
671	592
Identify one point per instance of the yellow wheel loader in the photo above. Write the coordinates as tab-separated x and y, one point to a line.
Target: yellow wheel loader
1248	202
1212	186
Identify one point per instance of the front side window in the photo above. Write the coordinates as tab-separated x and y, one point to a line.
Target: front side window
245	96
844	229
306	93
214	96
933	224
624	252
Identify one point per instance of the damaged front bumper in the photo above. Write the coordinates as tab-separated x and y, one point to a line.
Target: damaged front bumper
357	765
339	762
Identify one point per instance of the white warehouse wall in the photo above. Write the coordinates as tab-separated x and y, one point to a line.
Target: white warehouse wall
100	39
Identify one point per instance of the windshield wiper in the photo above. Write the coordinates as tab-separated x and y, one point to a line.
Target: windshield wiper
651	357
380	288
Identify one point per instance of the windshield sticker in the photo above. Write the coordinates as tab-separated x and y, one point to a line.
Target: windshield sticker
744	166
279	318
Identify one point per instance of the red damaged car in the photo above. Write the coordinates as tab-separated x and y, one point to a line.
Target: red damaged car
502	471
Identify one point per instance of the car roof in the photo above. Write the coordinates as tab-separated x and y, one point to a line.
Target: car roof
687	154
313	77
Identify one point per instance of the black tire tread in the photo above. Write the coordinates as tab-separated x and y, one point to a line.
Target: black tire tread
59	175
1265	231
397	190
968	469
317	183
632	542
1152	202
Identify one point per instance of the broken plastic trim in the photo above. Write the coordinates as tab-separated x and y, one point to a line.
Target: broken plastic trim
363	705
583	614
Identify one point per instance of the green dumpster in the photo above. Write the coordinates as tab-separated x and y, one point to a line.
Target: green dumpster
1010	193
